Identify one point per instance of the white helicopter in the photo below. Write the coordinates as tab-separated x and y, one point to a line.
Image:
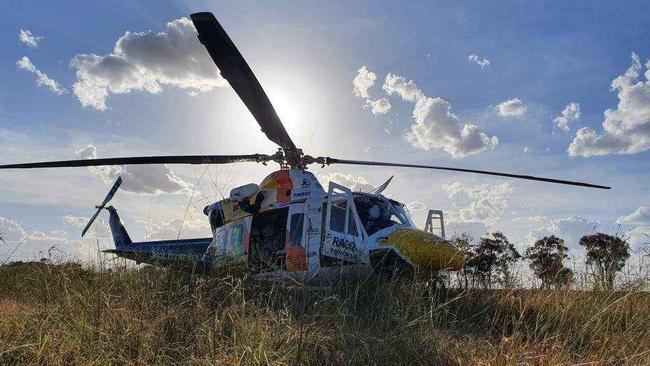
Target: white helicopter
289	223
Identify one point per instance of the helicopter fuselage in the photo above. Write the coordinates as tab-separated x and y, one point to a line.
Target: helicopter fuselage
290	225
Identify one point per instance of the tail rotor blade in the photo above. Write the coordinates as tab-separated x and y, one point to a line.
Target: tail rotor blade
109	196
92	219
111	193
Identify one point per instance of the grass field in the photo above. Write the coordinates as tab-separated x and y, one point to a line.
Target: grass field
65	314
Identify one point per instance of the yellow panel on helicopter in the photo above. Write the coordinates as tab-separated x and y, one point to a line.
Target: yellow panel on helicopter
427	251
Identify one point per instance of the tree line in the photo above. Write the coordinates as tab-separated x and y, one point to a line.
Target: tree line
491	262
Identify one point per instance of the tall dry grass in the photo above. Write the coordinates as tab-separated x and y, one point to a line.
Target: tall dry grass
65	314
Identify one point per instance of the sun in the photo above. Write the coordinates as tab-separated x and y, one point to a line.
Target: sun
285	109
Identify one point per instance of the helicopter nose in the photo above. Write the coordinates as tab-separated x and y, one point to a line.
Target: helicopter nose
426	251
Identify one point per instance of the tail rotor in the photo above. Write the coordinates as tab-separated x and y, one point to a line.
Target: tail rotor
109	196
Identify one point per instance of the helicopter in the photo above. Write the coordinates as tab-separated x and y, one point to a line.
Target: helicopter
289	223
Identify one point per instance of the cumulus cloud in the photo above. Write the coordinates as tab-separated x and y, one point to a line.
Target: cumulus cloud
570	228
356	183
41	78
379	106
569	114
482	203
408	90
179	228
639	239
362	82
626	129
26	37
436	126
640	216
77	222
512	108
158	178
474	229
532	219
24	244
146	62
416	206
477	60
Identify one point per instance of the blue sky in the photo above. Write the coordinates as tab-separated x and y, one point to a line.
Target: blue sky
542	57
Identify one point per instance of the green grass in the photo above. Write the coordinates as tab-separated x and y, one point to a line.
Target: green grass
65	314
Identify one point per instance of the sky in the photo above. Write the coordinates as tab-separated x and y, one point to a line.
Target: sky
551	88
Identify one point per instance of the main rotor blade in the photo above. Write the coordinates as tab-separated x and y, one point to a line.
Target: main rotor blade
139	160
234	68
518	176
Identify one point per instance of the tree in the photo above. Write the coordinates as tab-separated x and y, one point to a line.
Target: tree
463	243
546	258
606	255
493	259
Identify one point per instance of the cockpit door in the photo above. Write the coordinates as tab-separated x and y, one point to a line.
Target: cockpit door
344	235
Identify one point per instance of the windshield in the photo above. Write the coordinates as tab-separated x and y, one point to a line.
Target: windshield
377	213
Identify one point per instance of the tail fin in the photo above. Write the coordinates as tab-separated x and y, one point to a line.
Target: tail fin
120	236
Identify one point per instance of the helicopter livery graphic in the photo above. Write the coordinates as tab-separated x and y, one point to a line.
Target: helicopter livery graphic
288	223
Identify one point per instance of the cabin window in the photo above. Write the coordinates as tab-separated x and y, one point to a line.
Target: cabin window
236	235
297	220
337	219
337	216
222	240
216	219
352	225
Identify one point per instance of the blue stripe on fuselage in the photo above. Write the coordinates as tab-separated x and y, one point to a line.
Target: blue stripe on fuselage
164	250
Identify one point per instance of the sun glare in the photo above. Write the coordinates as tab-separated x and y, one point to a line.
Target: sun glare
286	111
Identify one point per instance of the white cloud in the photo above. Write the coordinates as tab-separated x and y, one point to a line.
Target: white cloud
570	113
570	228
146	62
640	216
483	63
482	203
157	178
533	219
26	37
41	78
626	129
416	206
527	149
179	228
512	108
24	244
395	84
78	222
475	229
379	106
639	239
364	80
436	126
356	183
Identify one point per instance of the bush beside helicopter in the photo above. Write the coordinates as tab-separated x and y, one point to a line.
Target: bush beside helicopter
288	223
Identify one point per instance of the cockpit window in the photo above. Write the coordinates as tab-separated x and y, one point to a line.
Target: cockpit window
216	219
377	213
